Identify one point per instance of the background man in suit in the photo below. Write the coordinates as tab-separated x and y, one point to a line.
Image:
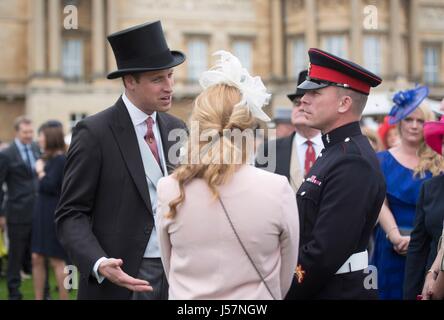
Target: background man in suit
105	218
296	153
17	170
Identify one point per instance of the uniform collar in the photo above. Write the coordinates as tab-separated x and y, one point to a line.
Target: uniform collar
341	134
137	116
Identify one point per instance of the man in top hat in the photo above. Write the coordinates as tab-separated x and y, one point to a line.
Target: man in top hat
341	197
105	217
296	154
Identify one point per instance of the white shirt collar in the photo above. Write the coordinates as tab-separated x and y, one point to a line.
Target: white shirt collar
21	145
137	116
317	139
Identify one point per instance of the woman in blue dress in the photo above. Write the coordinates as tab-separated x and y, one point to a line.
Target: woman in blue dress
45	244
405	168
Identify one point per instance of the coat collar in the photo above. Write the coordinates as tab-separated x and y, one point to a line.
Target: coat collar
341	134
125	135
164	129
137	116
283	155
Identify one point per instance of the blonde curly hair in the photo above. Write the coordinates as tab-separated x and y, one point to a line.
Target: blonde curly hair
215	113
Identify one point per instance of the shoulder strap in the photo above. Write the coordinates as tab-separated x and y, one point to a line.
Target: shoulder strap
245	250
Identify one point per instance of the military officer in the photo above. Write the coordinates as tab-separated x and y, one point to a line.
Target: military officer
341	197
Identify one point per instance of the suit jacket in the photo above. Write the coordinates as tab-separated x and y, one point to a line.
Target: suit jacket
105	207
425	236
287	162
18	202
200	252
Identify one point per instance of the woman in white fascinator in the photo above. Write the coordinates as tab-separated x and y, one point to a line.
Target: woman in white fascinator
227	230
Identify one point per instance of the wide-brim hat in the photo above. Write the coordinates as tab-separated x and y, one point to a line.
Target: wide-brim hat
433	133
406	102
142	48
439	109
298	92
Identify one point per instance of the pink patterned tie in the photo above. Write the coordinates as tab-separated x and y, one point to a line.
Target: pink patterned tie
151	140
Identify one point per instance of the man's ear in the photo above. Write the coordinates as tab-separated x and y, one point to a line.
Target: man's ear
345	104
128	81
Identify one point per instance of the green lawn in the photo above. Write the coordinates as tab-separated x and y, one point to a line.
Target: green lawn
27	288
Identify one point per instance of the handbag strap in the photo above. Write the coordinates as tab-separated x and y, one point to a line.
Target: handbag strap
245	249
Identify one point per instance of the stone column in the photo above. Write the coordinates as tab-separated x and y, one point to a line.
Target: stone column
395	39
310	30
39	44
277	44
98	38
54	37
414	48
356	31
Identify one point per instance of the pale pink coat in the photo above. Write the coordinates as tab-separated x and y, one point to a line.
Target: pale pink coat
201	255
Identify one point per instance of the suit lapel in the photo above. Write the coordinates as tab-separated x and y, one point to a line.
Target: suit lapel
296	173
283	151
166	145
126	138
18	157
35	151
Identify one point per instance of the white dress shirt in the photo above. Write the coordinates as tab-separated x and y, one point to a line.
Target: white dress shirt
299	142
26	149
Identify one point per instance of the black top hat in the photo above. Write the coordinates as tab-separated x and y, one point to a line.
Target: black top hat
298	92
326	69
142	48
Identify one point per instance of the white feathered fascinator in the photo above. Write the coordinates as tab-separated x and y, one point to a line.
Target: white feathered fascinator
228	70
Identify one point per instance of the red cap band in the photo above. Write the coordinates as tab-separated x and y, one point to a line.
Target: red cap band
323	73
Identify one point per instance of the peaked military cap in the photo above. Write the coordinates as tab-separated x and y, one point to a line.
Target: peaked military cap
326	69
